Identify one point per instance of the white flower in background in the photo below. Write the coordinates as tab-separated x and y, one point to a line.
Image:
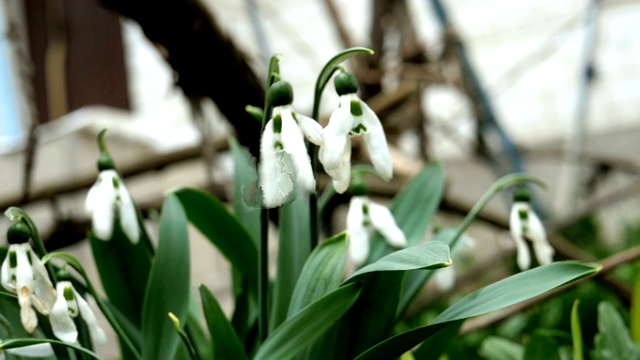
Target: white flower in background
107	199
23	274
32	351
284	161
363	216
524	223
69	305
352	118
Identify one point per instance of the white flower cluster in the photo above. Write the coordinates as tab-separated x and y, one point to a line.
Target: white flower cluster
284	161
24	274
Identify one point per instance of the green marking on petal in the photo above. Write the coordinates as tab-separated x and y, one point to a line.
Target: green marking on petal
68	294
115	181
277	124
523	215
29	257
13	259
358	130
356	108
279	145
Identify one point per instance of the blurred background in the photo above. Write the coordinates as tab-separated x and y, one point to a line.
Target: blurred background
487	88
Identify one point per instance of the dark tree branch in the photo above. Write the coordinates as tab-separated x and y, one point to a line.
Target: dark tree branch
206	62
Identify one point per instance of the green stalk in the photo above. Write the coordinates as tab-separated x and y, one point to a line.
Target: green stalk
502	183
323	78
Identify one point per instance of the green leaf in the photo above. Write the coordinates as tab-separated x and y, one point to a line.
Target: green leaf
413	208
414	280
428	255
436	344
544	345
321	274
124	269
245	189
499	295
18	343
168	287
497	348
576	332
293	335
294	247
225	340
212	219
613	341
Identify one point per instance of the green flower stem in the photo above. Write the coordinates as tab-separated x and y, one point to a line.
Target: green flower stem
263	259
74	263
17	214
184	337
321	83
500	185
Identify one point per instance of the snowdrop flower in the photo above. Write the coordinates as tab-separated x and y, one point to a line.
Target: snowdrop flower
362	216
34	351
524	223
284	161
352	118
23	274
67	306
107	199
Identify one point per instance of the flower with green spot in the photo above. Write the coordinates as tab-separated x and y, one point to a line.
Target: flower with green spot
352	118
363	217
525	224
284	161
24	274
69	305
108	200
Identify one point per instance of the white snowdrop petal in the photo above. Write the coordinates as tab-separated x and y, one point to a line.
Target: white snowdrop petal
293	141
90	202
342	175
5	275
104	206
335	137
128	216
24	287
516	226
61	322
97	334
359	245
377	143
383	221
277	174
445	278
311	129
44	293
355	214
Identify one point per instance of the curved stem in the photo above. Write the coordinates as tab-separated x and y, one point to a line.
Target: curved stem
502	183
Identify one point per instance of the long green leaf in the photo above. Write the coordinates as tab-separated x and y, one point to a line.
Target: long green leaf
168	287
321	274
415	280
245	190
429	255
294	248
293	335
613	340
212	219
18	343
499	295
436	344
576	332
497	348
226	344
123	268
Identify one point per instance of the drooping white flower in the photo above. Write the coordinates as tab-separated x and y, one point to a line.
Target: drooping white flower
31	351
107	200
69	305
284	161
352	118
23	274
525	224
363	217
